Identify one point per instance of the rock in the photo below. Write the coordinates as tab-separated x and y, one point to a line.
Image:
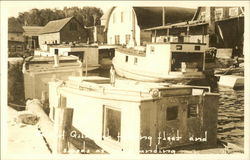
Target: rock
27	118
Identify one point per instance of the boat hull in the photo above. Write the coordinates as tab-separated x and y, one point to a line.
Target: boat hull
133	73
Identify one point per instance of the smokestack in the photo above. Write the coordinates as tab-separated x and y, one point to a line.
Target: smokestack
56	58
163	16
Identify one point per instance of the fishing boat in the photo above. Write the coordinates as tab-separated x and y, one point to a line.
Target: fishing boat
87	54
39	70
127	116
161	61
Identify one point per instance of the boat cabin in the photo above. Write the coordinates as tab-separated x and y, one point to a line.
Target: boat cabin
136	117
87	54
161	61
39	70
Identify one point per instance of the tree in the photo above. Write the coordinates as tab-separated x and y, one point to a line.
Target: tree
88	16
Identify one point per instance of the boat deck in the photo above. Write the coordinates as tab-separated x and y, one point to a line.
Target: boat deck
129	89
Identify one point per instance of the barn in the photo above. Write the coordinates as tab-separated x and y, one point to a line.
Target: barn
126	25
63	31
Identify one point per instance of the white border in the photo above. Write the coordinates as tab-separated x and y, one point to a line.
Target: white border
5	5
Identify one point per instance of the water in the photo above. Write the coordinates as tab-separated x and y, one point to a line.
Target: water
231	116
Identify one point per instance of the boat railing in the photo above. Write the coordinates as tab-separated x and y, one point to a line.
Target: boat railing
105	89
132	51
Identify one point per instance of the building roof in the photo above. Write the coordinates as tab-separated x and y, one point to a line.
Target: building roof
107	13
179	25
14	26
55	26
152	16
32	30
196	13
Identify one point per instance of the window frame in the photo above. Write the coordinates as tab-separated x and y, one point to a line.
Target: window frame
233	10
127	38
135	60
114	18
109	138
126	58
216	11
196	108
122	17
177	114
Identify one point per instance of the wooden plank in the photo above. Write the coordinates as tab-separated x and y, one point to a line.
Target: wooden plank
46	125
62	129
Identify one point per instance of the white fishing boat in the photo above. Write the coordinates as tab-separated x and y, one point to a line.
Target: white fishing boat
161	61
127	116
87	54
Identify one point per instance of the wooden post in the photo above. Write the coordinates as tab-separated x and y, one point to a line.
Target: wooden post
63	102
62	128
63	121
43	97
155	36
86	65
163	16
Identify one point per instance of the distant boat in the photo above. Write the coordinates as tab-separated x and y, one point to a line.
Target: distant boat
161	61
87	54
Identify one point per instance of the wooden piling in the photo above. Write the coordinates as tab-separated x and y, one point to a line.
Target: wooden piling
56	133
62	129
43	97
63	102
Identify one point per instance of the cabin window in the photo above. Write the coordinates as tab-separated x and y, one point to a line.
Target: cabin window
56	51
218	13
73	27
233	12
197	48
127	37
112	123
193	110
152	49
135	60
117	39
79	54
126	59
12	48
121	17
178	47
19	48
193	61
172	113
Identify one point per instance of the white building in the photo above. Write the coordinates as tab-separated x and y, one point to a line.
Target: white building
125	25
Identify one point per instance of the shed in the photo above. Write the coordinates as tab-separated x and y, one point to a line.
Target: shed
15	37
31	36
64	30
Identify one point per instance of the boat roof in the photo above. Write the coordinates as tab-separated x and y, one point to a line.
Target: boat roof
124	89
51	58
73	46
46	63
178	25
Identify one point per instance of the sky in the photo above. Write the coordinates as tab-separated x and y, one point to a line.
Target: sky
23	6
